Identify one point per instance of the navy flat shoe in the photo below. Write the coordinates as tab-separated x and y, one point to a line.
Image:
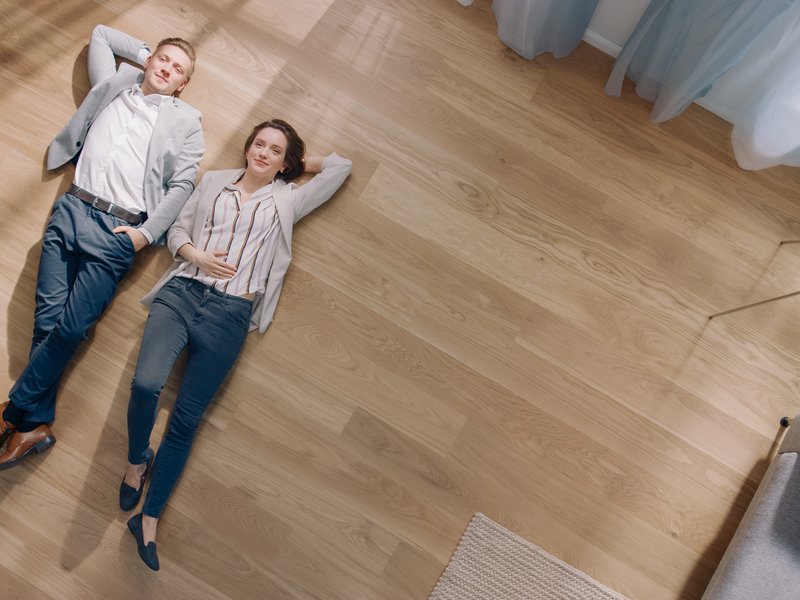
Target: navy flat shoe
130	496
147	553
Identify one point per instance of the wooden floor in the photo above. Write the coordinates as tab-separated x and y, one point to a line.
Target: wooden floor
504	310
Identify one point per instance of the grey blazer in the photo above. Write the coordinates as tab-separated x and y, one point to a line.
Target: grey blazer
292	203
175	149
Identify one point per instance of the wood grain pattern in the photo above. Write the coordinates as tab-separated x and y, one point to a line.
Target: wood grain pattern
504	310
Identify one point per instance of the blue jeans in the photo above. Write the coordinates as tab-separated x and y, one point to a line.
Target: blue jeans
212	326
81	265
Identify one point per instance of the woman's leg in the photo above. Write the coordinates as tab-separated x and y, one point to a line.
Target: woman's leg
165	335
216	335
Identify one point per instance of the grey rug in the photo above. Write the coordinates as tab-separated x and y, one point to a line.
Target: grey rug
493	563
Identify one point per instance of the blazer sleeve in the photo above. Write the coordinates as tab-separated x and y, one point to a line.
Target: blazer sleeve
181	231
180	184
318	190
106	43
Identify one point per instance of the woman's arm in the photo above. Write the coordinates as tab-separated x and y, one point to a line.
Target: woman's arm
210	263
180	232
332	171
313	164
180	236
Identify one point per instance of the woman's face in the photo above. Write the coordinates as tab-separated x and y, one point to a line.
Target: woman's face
266	156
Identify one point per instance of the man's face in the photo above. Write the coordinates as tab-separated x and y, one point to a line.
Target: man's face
166	71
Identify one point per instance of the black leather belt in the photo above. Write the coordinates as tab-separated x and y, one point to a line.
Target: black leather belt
106	206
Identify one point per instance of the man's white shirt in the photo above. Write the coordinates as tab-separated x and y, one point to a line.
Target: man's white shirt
114	155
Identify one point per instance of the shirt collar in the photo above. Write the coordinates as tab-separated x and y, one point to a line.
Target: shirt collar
260	194
154	100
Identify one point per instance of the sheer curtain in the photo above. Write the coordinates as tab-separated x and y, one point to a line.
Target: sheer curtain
766	125
531	27
680	48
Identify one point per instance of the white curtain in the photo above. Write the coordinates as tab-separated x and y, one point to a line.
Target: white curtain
762	96
531	27
741	56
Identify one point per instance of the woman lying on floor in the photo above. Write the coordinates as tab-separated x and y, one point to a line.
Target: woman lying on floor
232	247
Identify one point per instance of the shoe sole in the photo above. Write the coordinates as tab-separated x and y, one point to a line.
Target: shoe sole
37	448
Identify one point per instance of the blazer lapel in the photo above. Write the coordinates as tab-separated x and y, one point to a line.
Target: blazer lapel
160	131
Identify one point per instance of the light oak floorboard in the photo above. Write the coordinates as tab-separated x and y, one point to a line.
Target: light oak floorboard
505	309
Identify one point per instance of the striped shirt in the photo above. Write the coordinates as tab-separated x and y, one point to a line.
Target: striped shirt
247	233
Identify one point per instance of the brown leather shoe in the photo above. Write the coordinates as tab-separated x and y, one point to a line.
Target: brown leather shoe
6	428
23	444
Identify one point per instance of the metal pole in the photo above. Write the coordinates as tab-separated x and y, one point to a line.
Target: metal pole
726	312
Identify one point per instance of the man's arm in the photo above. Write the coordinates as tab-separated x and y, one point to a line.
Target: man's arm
105	44
179	187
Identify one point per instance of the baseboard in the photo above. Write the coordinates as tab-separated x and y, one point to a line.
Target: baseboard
722	112
603	44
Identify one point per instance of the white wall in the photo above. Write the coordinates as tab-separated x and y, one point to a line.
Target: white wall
613	22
